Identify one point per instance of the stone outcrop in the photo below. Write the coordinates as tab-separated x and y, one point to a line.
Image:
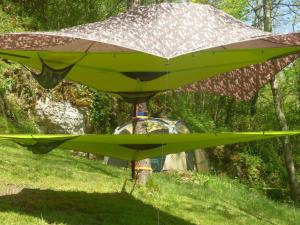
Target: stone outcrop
61	117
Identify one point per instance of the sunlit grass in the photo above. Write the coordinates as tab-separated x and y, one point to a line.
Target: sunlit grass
59	188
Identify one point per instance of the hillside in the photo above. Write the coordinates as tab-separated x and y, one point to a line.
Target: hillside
59	188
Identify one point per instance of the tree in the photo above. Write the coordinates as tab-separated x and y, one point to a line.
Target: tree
287	151
264	14
298	83
142	175
236	8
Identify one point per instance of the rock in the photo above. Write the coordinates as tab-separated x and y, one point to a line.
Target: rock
61	117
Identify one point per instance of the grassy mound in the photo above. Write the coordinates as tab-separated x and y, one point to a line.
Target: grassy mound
59	188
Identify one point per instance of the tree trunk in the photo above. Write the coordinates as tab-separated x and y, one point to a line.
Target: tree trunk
143	174
253	103
144	165
141	170
287	151
298	86
219	108
267	15
229	112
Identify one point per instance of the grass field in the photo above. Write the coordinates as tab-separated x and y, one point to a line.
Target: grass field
59	188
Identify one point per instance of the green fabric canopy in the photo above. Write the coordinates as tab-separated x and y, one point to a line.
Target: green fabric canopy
137	147
128	70
155	48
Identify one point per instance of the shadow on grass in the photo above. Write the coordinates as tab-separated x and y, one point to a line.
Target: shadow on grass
77	208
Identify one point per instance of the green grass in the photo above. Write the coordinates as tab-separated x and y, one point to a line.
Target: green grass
59	188
10	21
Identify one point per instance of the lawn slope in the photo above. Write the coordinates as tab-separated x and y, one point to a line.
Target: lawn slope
59	188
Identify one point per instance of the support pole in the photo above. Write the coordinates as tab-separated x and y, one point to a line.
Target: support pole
134	119
133	170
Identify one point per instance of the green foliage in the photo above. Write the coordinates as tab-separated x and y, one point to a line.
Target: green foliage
23	122
184	107
107	112
57	14
14	115
258	164
249	167
290	86
6	84
237	8
101	112
49	15
13	23
6	126
199	122
17	123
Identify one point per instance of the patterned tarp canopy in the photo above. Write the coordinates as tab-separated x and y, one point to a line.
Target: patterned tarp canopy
138	146
156	48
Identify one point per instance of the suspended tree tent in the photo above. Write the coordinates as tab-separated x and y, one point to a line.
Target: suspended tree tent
147	50
139	146
154	48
